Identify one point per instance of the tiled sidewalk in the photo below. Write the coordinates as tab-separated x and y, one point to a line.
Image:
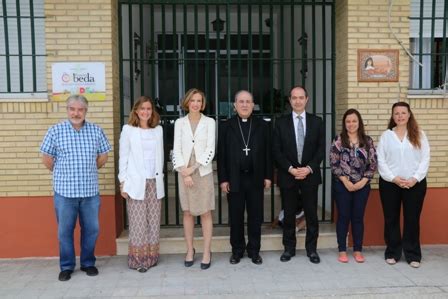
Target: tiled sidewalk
37	278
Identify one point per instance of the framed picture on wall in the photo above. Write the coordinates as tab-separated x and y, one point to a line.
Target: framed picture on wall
378	65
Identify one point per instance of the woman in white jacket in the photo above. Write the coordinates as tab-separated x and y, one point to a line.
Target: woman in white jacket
194	148
141	182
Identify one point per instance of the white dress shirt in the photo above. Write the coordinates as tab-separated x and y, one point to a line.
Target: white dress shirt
149	152
401	158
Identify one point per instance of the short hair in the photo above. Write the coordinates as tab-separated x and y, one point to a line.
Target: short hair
133	118
242	91
187	98
298	86
77	98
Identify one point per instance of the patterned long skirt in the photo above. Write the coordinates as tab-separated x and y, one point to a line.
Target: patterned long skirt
144	228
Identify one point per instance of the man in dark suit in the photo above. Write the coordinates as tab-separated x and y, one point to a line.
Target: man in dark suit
244	170
298	149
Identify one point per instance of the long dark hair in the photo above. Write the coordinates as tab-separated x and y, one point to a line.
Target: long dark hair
412	125
362	137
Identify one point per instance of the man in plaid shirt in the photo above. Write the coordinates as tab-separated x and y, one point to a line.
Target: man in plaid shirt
74	150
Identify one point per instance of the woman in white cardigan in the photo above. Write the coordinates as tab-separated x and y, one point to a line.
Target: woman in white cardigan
141	182
403	162
194	148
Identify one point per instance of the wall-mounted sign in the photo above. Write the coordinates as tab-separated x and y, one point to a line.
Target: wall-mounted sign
378	65
84	78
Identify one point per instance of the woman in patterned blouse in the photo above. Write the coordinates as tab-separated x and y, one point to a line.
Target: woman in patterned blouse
353	163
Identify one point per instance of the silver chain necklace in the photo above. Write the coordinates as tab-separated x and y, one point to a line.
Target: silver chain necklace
246	144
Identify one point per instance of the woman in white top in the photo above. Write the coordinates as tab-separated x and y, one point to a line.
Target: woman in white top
403	162
194	148
141	182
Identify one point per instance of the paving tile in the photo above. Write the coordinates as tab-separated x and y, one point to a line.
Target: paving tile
273	279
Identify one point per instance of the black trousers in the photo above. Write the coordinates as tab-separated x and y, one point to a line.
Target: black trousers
392	197
291	200
249	198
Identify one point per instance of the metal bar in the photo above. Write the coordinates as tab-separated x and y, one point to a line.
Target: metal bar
8	62
250	65
304	61
164	72
153	56
33	46
131	56
142	58
176	68
313	51
229	56
185	46
271	70
444	45
19	41
196	46
282	57
292	43
260	55
239	46
431	74
120	57
333	85
217	55
324	105
207	56
420	46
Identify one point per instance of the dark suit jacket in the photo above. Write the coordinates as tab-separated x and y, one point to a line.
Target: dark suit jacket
285	149
230	145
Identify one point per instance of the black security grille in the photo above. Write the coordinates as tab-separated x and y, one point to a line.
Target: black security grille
168	47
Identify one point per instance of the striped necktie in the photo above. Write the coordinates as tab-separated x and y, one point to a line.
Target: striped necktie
300	138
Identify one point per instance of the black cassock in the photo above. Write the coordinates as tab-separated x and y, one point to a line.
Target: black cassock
245	163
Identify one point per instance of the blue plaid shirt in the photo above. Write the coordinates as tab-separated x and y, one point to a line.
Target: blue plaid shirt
75	173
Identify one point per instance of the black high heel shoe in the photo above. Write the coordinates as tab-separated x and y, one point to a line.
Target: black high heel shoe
205	266
190	263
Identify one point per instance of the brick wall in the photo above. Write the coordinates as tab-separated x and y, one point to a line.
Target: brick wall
81	30
363	24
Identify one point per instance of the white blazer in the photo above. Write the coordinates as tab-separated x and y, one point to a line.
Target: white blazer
202	141
131	168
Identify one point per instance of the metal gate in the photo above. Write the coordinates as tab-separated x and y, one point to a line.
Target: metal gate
168	47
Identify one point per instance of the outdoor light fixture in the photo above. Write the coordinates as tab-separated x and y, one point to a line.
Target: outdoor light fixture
218	25
268	22
137	44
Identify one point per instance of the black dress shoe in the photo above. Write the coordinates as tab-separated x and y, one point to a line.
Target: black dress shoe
235	258
286	256
205	266
256	259
65	275
90	271
190	263
314	257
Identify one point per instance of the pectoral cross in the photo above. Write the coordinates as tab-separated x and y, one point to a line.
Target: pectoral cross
246	150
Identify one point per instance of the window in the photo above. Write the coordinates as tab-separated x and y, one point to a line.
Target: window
429	44
22	49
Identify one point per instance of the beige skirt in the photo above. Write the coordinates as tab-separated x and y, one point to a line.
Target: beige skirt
200	198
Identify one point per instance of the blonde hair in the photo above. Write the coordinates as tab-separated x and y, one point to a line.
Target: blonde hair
133	117
187	98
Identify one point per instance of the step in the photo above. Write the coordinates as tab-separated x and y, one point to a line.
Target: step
172	241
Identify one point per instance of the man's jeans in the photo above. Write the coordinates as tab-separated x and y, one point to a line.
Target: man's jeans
67	210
